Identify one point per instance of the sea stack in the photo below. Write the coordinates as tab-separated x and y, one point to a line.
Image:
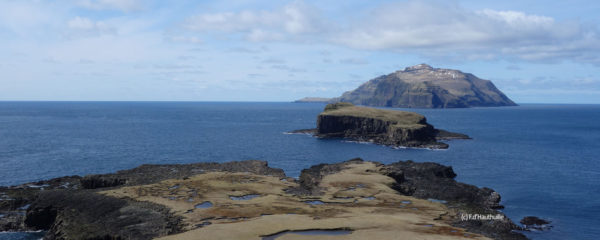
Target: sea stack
386	127
422	86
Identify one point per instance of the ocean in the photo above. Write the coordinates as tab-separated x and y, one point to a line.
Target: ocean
542	159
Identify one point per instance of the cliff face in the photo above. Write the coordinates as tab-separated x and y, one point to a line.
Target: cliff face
423	86
387	127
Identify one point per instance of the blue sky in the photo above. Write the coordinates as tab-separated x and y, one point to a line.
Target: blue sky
534	51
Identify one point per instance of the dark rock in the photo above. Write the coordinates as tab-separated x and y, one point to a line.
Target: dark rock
310	131
151	173
84	214
100	181
423	86
502	228
12	221
40	218
534	223
435	181
432	180
445	135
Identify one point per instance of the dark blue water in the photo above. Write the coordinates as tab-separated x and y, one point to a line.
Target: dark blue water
543	159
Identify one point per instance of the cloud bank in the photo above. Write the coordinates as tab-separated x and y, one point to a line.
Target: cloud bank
431	29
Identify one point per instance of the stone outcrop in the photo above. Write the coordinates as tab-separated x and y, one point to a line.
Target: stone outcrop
72	208
429	181
387	127
533	223
162	201
432	180
423	86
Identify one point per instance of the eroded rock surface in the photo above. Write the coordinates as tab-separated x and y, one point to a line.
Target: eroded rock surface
249	200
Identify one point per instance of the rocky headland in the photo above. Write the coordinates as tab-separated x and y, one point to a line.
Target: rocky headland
250	200
386	127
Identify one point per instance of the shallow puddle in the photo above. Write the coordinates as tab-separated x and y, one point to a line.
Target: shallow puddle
316	233
315	202
203	224
206	204
437	200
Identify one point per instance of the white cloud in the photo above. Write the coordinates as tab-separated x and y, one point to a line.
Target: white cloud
122	5
431	29
292	20
81	26
23	17
449	30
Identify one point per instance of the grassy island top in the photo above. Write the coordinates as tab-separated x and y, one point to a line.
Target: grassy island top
401	118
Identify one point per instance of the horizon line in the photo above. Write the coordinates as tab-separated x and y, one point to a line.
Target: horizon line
244	101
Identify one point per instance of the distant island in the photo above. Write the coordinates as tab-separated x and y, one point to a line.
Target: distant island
313	100
387	127
422	86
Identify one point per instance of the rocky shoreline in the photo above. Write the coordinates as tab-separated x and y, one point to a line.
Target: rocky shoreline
385	127
208	200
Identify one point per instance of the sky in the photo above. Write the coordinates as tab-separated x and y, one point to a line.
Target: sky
131	50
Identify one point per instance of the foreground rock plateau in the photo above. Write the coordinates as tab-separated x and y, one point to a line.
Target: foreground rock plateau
386	127
422	86
249	200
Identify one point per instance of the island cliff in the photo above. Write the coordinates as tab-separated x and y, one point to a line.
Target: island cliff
387	127
422	86
250	200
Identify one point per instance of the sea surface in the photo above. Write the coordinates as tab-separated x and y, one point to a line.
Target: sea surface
543	159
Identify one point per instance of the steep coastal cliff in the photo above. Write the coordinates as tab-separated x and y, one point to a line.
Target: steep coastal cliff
249	200
387	127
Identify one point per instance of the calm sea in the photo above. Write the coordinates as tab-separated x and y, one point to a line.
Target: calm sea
542	159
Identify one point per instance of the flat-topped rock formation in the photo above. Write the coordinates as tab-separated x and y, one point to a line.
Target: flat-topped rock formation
249	200
387	127
422	86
